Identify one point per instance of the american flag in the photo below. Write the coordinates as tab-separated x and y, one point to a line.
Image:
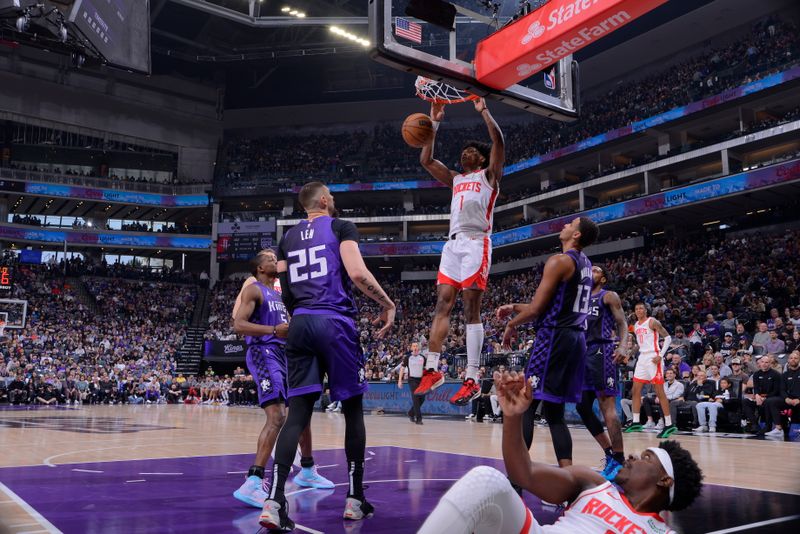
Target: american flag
410	30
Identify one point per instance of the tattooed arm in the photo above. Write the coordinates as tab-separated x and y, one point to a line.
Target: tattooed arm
366	282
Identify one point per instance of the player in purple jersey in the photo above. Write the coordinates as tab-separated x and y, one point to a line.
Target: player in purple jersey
318	264
605	319
260	315
559	307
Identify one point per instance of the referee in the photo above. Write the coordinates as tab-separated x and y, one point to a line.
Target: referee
414	365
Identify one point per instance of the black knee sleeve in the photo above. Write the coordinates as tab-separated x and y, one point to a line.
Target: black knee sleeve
528	423
355	434
562	441
584	409
300	410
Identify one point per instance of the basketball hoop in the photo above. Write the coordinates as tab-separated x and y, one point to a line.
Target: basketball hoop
440	92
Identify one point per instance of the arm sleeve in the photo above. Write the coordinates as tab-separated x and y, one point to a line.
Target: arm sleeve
344	230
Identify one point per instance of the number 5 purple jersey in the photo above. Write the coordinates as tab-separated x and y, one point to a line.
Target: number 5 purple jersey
570	305
317	278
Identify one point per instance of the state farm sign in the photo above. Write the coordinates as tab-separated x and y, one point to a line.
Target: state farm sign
552	32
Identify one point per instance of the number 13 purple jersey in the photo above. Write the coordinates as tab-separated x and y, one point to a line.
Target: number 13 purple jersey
570	305
317	278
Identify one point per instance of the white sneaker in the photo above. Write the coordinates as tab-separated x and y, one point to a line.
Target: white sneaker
356	510
712	429
252	492
774	433
701	428
470	417
649	425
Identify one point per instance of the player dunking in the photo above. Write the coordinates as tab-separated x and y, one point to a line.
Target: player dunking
259	314
467	255
559	307
484	501
605	316
650	369
318	264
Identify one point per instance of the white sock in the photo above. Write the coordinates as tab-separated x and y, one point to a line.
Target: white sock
474	346
635	418
667	420
432	360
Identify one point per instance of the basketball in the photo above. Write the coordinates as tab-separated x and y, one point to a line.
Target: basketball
417	130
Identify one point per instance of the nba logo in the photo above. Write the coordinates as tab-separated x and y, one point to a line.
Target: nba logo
550	79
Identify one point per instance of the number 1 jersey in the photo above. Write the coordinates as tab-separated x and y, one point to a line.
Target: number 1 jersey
317	278
570	305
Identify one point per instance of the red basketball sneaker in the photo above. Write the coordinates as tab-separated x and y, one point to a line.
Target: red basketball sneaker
430	380
468	391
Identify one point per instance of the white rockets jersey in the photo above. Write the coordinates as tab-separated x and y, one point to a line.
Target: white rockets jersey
472	207
646	337
605	511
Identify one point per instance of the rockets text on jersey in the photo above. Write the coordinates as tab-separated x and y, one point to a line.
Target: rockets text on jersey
472	205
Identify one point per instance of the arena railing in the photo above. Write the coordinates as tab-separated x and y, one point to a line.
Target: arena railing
91	181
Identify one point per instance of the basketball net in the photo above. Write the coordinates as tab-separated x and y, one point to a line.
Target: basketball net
440	92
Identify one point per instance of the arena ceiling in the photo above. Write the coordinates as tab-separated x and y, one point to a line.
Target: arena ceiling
264	58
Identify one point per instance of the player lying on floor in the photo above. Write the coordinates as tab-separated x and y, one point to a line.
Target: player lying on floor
483	501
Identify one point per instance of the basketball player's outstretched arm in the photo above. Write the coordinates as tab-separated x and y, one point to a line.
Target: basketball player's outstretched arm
558	268
251	297
365	281
436	168
497	156
552	484
611	300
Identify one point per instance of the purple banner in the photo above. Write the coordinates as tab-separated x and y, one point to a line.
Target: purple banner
120	239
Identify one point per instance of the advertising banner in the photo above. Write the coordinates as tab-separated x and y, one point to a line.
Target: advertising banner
235	350
552	32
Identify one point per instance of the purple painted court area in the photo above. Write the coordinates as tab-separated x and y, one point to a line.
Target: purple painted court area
194	495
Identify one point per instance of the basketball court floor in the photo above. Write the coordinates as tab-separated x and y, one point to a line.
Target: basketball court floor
109	469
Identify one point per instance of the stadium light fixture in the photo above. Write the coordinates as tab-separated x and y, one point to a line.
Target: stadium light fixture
294	12
351	36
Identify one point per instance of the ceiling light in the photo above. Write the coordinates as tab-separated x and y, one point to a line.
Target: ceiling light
286	9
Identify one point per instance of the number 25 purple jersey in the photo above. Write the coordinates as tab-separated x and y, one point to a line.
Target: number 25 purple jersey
317	277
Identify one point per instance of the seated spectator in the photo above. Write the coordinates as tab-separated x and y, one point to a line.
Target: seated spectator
760	339
737	373
699	390
18	390
774	345
722	394
47	396
765	384
174	395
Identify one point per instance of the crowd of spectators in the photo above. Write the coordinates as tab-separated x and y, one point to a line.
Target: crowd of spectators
771	45
111	341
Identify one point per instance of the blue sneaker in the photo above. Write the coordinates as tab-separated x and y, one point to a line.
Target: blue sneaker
308	477
252	492
611	469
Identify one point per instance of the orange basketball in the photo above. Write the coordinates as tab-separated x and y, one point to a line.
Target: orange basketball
417	130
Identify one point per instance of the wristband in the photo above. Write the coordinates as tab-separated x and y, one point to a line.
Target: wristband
435	124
